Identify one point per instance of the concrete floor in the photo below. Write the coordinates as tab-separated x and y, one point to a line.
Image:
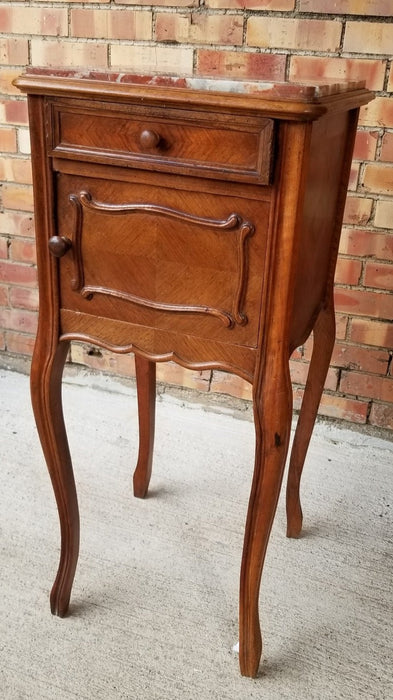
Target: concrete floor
154	606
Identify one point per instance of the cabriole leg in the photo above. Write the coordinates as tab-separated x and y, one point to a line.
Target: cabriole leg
46	377
324	337
272	412
146	391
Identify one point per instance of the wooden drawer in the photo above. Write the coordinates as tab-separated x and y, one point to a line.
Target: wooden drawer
204	145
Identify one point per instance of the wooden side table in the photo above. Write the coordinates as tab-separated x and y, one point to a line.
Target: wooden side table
196	221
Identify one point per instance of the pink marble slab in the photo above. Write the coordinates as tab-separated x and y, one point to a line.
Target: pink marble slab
305	91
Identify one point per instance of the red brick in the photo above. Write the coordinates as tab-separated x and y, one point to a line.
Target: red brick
367	243
96	358
34	20
14	111
326	67
18	197
365	145
170	373
23	250
348	271
240	64
381	415
154	59
111	24
224	383
15	170
379	275
348	7
364	303
23	298
378	113
357	210
248	64
352	357
124	365
354	177
8	139
2	340
14	52
288	33
269	5
199	29
367	385
16	224
384	214
378	177
3	247
343	408
3	169
297	354
370	332
341	326
18	320
299	372
86	2
13	273
338	407
157	3
373	37
4	301
68	54
21	170
387	147
341	333
7	76
20	343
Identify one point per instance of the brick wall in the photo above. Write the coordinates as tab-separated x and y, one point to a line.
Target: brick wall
265	39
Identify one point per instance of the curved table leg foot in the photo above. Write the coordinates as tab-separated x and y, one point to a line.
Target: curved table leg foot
324	337
46	376
146	391
272	437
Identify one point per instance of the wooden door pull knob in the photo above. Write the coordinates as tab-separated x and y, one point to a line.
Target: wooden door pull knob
149	139
58	245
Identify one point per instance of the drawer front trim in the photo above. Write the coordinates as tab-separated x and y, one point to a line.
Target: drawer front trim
157	345
239	150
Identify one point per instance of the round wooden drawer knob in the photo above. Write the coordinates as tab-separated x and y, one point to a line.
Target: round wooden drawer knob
149	139
58	245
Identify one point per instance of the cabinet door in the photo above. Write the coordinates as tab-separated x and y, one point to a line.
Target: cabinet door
179	260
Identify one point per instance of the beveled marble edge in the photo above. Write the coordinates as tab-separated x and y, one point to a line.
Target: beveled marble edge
307	91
